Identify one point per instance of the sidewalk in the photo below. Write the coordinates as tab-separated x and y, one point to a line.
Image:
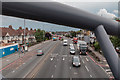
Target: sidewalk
101	57
13	57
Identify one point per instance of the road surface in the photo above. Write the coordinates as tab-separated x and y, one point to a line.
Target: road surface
56	63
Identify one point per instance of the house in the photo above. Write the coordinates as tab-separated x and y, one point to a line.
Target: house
10	35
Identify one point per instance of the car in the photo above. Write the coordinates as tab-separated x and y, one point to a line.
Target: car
71	44
65	43
76	61
72	51
40	52
71	47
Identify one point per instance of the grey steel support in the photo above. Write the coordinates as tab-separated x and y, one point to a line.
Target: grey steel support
108	50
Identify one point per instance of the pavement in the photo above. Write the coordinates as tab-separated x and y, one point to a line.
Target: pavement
55	63
17	55
103	63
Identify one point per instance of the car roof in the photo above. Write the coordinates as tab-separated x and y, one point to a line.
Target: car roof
75	56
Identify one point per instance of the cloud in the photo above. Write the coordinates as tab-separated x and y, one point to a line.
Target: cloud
105	13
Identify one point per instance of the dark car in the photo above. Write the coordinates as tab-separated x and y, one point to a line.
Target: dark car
40	53
76	61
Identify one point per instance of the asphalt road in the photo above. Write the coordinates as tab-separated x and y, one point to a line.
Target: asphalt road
56	63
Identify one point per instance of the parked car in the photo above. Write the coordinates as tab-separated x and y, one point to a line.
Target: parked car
118	50
40	52
76	61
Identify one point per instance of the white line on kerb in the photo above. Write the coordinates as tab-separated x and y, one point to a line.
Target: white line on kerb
87	68
52	76
55	66
90	75
87	59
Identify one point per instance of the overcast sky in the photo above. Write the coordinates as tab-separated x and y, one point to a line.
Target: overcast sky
107	8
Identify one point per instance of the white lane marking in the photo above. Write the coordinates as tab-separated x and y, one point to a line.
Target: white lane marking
87	68
51	59
55	66
83	61
109	73
91	76
52	76
24	63
75	73
87	59
107	70
70	67
13	71
7	60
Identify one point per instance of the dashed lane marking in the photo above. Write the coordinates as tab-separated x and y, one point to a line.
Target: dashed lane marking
83	61
7	60
13	71
75	73
87	68
63	59
87	59
51	59
55	66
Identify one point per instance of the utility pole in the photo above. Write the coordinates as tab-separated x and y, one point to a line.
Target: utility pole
24	37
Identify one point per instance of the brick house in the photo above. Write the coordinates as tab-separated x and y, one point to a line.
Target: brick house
10	35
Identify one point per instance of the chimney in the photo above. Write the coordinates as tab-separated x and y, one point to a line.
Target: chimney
10	26
35	30
31	29
26	28
20	27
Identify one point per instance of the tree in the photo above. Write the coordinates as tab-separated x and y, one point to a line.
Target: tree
97	46
73	33
39	35
48	35
115	40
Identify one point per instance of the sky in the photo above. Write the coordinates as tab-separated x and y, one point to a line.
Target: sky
104	8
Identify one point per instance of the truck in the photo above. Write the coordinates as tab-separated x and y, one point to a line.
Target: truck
75	40
82	47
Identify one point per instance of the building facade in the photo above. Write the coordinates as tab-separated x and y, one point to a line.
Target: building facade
20	36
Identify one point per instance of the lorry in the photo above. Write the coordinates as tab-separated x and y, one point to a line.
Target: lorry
82	47
75	40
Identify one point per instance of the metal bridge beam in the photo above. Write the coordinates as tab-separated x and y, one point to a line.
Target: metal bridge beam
108	50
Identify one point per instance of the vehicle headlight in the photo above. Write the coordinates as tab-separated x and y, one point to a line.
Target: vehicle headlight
73	63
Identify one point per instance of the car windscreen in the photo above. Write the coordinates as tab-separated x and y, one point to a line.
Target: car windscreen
39	51
76	60
72	49
84	48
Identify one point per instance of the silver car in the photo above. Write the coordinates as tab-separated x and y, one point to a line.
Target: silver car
76	61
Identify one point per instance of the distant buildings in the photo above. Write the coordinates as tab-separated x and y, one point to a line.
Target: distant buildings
10	35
